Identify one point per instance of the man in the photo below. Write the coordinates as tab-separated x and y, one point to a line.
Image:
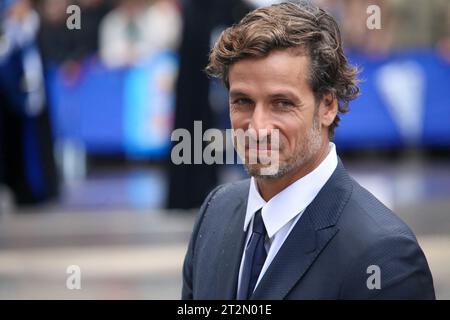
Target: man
26	140
306	230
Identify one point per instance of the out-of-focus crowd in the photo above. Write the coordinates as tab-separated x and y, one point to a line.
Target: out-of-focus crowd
123	31
404	24
118	34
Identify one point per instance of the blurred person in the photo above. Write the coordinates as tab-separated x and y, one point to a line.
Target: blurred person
25	133
136	29
304	229
65	48
122	33
87	38
56	41
59	45
165	23
189	184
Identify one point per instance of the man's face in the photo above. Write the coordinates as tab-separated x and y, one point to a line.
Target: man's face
273	93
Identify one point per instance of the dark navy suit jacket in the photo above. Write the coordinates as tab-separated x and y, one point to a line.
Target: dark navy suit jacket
327	255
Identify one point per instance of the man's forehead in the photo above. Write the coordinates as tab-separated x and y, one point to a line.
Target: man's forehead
277	54
278	68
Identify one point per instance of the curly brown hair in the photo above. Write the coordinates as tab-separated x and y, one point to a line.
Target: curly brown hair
291	25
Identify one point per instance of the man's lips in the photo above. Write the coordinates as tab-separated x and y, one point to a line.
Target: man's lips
260	148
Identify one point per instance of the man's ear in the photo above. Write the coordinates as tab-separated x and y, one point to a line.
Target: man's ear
328	109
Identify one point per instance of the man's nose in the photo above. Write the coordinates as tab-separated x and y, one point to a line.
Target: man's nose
261	121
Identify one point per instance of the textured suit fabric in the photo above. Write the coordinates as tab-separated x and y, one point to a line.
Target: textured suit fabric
327	255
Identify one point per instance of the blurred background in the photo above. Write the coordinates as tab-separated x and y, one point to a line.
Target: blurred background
88	103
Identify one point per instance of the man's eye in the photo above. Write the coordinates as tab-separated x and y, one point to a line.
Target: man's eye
283	104
242	102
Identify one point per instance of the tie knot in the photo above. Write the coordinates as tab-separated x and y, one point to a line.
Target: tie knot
258	223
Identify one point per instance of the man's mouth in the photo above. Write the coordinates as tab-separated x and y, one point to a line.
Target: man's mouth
259	148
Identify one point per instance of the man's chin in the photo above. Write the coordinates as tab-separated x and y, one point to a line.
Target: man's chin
260	171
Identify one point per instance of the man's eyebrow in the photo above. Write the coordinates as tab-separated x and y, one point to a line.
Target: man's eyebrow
286	95
279	95
237	93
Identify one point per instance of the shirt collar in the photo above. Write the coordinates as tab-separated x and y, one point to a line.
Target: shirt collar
291	201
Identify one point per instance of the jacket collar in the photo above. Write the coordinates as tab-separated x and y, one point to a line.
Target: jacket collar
291	201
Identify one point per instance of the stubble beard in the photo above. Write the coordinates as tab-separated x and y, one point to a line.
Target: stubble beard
305	151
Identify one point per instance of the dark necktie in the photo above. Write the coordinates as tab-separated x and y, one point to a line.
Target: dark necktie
255	255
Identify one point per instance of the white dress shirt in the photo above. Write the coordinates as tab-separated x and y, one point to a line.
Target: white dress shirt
282	212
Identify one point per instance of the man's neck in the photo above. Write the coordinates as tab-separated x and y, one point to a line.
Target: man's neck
268	188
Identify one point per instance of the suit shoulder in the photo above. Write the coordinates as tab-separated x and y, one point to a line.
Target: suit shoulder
224	198
370	234
230	192
368	220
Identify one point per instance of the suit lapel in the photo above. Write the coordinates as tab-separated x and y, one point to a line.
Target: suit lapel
296	255
308	238
231	253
